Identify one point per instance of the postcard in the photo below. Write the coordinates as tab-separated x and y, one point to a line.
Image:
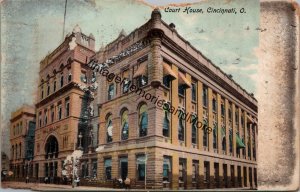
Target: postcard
149	95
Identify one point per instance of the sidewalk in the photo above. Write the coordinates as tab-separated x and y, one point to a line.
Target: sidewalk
55	187
51	187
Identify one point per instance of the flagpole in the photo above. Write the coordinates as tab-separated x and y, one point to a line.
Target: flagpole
63	36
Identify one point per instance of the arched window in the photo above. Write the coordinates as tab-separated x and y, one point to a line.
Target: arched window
109	129
69	77
51	147
125	125
143	120
62	80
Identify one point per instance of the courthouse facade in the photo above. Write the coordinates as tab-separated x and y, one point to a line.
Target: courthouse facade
134	136
153	147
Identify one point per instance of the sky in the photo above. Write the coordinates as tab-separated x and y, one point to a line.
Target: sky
31	29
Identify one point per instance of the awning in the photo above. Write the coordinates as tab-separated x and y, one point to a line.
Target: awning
183	80
142	70
168	71
239	142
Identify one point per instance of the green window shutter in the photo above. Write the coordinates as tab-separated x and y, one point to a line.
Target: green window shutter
239	142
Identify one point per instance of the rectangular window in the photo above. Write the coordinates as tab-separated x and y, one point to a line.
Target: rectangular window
239	176
111	91
54	86
182	170
45	117
166	123
167	81
206	171
167	169
232	174
123	167
205	96
42	92
52	113
195	171
181	126
59	112
194	129
94	168
40	119
142	81
194	92
205	136
141	167
225	175
67	107
48	89
222	109
216	174
214	105
107	168
181	90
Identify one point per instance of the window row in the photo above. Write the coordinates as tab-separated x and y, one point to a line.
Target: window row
57	83
17	129
123	167
54	113
16	151
125	126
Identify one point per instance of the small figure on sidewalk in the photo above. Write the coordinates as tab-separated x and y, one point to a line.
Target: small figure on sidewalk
127	183
46	180
27	179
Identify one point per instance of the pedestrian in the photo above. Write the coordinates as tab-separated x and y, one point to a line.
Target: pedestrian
27	179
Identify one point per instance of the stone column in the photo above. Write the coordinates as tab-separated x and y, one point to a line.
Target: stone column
175	171
251	144
200	117
174	103
189	171
246	134
227	126
188	110
201	173
233	132
210	122
221	175
219	125
211	174
240	128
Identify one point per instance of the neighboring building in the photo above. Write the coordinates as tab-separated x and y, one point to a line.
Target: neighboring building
141	141
22	126
4	162
59	106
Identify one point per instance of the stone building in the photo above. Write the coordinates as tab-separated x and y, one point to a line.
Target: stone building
60	103
140	140
22	127
209	142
